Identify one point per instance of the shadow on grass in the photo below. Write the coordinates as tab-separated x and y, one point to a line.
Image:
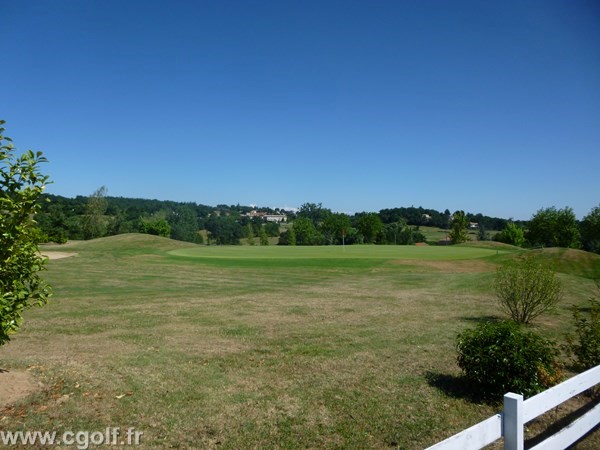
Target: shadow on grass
458	387
541	428
551	423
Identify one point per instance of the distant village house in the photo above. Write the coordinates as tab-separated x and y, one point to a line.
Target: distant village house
266	216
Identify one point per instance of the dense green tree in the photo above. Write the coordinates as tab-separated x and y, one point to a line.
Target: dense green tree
482	234
224	230
391	232
262	236
412	216
250	234
74	229
21	186
369	225
430	217
272	229
257	224
291	236
551	227
333	226
306	233
115	223
590	230
93	223
410	236
184	223
458	228
156	225
352	236
53	223
511	234
314	212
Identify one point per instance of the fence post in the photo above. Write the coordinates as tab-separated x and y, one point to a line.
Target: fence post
512	422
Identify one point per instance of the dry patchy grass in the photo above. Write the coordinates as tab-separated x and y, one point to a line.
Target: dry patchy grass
213	356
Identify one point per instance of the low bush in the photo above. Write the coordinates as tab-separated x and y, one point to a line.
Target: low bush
512	234
502	357
584	344
526	289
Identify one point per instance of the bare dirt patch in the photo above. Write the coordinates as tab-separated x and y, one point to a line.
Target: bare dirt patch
58	255
15	385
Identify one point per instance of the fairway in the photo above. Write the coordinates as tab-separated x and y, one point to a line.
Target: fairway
261	347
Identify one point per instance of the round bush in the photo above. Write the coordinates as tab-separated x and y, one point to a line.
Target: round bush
502	357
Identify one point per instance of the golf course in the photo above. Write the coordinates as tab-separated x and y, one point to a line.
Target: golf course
267	346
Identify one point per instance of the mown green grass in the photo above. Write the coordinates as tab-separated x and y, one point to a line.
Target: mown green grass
326	257
261	347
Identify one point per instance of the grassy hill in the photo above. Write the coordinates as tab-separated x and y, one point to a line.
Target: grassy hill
570	261
129	242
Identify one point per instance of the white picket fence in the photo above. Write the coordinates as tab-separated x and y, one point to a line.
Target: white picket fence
517	412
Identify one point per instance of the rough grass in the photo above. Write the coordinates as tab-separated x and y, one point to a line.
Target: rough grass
435	234
570	261
260	347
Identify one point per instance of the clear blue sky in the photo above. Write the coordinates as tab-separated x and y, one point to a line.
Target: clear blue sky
490	107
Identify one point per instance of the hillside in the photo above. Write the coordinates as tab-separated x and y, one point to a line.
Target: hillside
571	261
129	242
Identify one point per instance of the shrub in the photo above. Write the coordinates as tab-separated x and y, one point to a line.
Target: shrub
551	227
59	236
585	343
410	236
501	357
482	234
458	230
526	289
21	187
512	235
156	226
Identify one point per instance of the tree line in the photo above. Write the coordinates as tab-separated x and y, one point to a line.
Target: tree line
316	225
99	215
553	227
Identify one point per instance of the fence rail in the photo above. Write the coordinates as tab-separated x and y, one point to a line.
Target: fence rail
517	412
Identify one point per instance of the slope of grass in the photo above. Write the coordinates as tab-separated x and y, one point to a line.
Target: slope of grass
492	245
258	347
123	243
433	234
570	261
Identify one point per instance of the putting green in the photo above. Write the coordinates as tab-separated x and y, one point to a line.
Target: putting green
377	252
